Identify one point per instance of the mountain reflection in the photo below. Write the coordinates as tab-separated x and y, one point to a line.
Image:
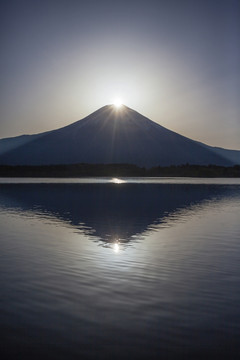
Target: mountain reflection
109	213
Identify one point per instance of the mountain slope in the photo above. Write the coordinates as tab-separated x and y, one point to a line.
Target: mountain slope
11	143
231	155
111	135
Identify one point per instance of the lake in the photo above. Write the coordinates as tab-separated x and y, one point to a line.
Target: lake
120	268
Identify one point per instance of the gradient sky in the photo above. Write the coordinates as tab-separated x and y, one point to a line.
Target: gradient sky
176	62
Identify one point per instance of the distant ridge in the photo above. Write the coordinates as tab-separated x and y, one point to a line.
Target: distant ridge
111	135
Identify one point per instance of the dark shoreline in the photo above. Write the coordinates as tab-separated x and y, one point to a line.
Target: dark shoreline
119	170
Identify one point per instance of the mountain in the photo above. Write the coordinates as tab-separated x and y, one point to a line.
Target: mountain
111	135
8	144
231	155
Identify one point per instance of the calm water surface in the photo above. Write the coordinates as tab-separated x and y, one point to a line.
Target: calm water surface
120	268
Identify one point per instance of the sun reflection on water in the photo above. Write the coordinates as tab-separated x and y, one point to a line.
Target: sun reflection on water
116	247
117	181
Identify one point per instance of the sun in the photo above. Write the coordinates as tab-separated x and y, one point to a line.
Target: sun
117	103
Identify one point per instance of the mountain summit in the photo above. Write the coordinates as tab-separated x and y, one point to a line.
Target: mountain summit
111	135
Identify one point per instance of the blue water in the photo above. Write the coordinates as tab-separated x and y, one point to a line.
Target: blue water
120	268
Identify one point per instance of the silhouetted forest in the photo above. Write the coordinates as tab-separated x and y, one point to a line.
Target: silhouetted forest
118	170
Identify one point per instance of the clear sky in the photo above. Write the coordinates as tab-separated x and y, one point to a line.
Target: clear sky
176	62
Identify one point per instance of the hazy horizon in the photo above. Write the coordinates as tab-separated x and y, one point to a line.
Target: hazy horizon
177	63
